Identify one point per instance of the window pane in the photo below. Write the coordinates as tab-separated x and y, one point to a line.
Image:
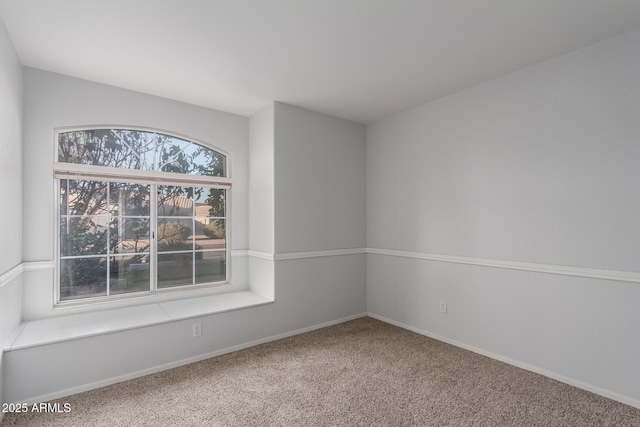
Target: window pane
175	201
197	160
83	235
79	147
129	235
211	267
64	196
210	233
137	149
174	234
174	155
185	157
210	202
83	197
129	274
83	278
117	148
128	199
211	163
175	269
203	232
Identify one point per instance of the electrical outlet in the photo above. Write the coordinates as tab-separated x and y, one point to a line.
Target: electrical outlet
197	329
443	307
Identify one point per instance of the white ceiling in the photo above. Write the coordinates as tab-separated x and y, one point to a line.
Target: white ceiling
356	59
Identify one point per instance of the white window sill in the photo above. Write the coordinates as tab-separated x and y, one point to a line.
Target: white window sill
65	328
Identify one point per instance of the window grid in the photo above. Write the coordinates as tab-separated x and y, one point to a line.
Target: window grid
115	259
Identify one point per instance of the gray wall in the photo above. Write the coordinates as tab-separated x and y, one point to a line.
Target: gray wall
539	166
308	292
11	179
261	175
320	182
320	179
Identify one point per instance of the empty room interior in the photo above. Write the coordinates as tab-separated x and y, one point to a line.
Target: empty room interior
183	180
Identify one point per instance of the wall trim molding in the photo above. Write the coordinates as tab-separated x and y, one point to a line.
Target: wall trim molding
262	255
317	254
594	273
240	252
38	265
25	266
251	253
522	365
283	256
11	274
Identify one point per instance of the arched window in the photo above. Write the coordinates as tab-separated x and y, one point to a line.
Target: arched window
140	212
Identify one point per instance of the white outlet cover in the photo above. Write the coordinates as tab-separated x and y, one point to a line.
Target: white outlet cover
197	329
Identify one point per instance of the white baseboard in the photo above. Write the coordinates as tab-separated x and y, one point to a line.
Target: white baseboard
102	383
584	386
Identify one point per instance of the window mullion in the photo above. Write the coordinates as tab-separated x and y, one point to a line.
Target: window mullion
153	247
193	237
108	184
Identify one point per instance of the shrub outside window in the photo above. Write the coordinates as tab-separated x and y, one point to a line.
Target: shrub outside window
139	212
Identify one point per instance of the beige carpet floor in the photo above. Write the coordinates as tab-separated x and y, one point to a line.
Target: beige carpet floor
359	373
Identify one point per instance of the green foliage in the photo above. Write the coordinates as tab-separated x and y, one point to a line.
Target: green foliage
216	201
215	229
88	274
174	245
82	237
173	231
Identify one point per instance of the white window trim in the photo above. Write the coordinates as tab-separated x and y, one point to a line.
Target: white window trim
105	173
63	170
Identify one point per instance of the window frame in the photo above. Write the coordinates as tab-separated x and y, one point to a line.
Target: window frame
154	179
